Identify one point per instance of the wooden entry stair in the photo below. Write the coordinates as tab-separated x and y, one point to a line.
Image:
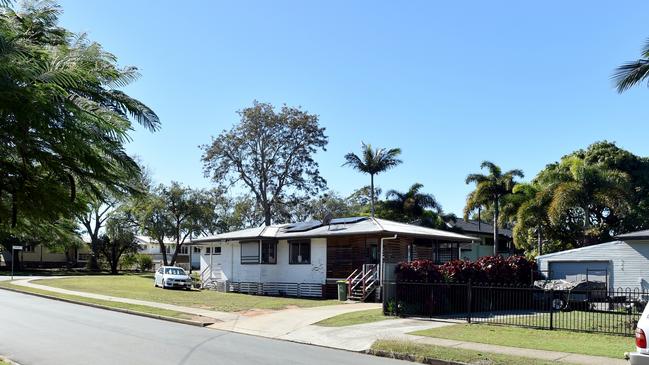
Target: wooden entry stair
363	282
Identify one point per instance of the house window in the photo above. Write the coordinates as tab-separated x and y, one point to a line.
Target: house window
447	252
268	252
250	252
216	250
207	251
28	248
184	250
197	249
299	252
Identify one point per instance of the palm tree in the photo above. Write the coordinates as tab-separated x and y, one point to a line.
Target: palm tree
592	193
372	162
634	72
489	191
527	207
412	204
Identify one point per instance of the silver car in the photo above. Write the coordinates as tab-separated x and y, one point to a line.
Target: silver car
172	277
641	355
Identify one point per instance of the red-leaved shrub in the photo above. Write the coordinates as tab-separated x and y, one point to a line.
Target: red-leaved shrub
488	269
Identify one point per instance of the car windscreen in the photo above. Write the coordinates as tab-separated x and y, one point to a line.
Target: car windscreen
174	271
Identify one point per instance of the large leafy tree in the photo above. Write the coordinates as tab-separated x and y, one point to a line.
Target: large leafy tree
271	153
490	189
177	213
118	240
64	121
590	195
373	161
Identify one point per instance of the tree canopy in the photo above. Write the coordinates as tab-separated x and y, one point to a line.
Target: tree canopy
373	161
271	153
64	121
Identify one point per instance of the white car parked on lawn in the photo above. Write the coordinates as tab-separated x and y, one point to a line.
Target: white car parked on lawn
172	277
641	356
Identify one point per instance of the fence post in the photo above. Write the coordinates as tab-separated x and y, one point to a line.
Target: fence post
551	309
469	293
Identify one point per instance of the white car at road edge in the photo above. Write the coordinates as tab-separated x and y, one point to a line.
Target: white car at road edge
641	355
172	277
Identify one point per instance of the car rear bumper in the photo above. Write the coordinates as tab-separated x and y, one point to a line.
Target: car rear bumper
636	358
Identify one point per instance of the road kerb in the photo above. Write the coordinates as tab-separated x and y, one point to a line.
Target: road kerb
121	310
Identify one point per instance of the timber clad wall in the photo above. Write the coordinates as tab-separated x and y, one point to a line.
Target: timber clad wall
628	262
346	254
396	251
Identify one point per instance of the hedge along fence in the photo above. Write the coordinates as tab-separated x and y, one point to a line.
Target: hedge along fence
489	269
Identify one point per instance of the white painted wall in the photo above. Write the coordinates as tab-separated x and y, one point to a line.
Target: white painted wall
227	265
628	262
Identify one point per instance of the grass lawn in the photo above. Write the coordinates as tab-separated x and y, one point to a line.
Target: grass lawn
421	352
3	362
106	303
141	287
564	341
579	320
348	319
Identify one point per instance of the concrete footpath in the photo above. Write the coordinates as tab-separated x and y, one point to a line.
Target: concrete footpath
298	325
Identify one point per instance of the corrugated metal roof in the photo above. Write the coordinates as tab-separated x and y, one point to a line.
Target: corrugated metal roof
472	226
639	235
365	226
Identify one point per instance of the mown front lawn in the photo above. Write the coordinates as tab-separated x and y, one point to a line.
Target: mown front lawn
141	287
564	341
422	353
105	303
349	319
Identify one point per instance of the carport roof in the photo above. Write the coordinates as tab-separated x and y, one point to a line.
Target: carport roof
360	225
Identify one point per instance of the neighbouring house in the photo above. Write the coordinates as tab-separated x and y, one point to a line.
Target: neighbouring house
39	256
187	254
306	259
623	263
484	246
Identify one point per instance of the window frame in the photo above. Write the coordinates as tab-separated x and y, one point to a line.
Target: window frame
299	243
264	244
214	251
249	260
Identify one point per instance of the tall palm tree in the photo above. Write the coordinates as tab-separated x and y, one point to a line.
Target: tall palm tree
489	191
634	72
591	192
413	204
372	162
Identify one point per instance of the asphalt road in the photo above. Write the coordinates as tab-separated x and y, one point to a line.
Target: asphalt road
38	331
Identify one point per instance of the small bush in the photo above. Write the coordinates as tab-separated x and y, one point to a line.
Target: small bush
144	262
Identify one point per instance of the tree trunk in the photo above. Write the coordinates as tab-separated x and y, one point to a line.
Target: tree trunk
267	213
93	264
372	195
163	251
496	227
175	255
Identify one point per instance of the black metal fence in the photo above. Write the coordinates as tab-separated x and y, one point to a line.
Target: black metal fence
604	311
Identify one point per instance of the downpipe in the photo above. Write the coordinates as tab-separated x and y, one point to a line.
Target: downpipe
382	268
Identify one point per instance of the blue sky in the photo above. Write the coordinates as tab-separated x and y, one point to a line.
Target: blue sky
452	83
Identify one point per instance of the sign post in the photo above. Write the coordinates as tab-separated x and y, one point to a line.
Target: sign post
13	258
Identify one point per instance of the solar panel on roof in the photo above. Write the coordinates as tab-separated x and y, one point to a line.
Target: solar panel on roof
347	220
304	226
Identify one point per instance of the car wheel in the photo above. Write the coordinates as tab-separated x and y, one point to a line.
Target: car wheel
164	286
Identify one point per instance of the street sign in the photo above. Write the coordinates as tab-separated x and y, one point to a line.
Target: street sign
17	247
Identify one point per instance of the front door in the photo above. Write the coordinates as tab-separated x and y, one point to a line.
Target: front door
373	253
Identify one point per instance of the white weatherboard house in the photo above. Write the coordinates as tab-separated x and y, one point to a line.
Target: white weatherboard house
621	264
306	259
